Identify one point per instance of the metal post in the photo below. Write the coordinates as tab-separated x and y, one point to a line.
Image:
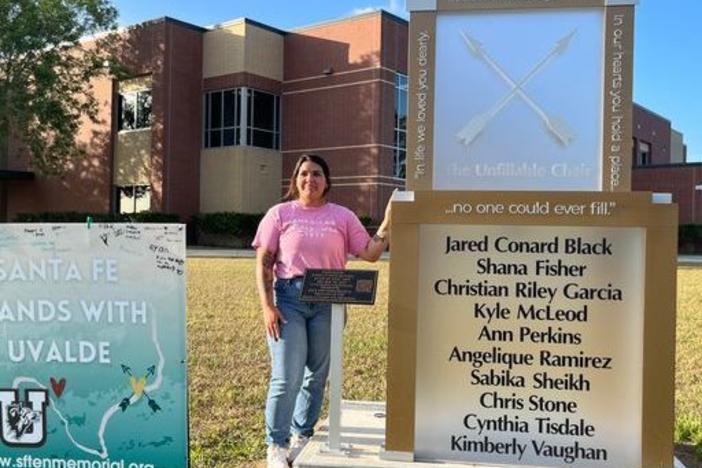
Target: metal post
336	379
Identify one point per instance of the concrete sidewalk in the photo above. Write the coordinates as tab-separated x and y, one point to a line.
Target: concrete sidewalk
221	252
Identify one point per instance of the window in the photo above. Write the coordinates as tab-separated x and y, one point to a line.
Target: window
400	144
133	199
134	110
222	118
644	156
241	116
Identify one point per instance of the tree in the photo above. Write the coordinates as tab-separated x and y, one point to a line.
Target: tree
45	69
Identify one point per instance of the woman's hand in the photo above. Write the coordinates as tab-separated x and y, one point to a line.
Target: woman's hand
388	210
272	320
381	239
384	228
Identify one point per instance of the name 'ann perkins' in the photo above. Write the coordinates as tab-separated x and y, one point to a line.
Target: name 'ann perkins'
504	244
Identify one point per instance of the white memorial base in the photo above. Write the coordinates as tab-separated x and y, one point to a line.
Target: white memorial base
363	432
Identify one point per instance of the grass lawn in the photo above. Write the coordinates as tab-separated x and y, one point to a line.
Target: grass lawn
228	368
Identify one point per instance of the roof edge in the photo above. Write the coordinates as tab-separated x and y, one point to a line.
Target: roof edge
651	112
670	165
379	12
164	19
248	21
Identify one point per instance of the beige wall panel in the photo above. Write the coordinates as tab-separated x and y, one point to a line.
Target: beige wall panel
221	179
263	171
264	52
135	84
223	50
677	147
133	158
241	179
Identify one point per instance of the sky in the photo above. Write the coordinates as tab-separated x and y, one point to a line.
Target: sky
667	50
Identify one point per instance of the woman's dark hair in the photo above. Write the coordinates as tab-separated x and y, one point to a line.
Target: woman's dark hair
293	194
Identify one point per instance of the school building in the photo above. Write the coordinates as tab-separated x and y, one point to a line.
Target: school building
212	119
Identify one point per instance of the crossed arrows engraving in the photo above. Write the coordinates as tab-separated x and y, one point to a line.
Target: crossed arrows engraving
555	126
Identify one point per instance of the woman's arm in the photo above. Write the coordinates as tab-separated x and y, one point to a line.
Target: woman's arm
264	282
381	239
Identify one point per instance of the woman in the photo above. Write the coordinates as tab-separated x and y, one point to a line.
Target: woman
306	231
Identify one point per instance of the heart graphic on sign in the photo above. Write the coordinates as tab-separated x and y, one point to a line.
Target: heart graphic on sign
138	385
58	387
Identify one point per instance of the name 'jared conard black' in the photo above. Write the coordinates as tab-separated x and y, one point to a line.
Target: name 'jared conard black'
504	244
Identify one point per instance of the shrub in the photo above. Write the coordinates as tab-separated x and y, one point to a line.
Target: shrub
366	220
228	223
689	233
690	238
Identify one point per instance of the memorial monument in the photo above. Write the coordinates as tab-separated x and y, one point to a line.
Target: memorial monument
542	331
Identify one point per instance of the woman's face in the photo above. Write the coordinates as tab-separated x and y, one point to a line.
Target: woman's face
311	182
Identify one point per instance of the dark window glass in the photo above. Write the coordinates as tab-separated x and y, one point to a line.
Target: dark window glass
229	109
216	110
215	138
264	110
403	165
120	120
223	125
262	139
401	140
238	108
251	110
228	137
207	111
400	167
222	116
402	110
279	119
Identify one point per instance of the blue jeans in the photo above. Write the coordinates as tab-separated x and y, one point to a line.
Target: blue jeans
299	365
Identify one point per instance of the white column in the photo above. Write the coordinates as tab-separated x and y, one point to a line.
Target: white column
336	377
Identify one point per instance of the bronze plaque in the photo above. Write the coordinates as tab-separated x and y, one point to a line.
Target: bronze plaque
340	286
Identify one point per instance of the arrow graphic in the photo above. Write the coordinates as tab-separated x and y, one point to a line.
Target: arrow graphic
477	124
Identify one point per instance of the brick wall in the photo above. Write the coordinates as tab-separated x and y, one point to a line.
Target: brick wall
678	179
654	130
346	116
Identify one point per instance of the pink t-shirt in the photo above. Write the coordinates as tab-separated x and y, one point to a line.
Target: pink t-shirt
310	237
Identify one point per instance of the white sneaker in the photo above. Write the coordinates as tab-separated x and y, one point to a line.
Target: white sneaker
297	443
277	456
